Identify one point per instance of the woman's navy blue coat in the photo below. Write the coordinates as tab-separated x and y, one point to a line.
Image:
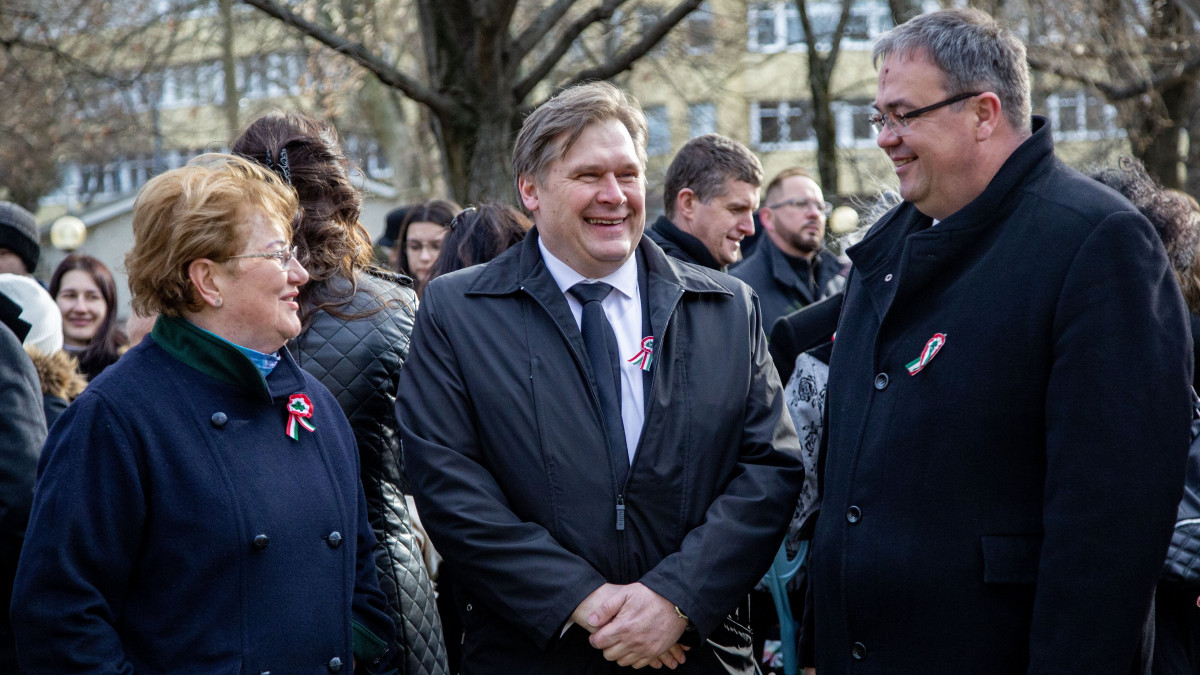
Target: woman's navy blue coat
177	528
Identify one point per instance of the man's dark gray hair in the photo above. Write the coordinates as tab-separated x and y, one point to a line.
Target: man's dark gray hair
566	116
975	52
705	164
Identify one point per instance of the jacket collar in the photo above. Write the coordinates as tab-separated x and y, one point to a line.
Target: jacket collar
521	268
218	359
522	264
695	249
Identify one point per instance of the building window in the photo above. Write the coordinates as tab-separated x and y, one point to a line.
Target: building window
1078	116
775	26
698	30
781	125
659	141
702	119
852	122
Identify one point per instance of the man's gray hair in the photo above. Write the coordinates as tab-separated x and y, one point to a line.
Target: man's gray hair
705	164
566	116
975	52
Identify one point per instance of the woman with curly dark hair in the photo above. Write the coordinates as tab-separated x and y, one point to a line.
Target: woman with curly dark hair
86	295
357	320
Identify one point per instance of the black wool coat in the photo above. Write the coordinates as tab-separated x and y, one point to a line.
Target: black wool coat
1006	508
506	453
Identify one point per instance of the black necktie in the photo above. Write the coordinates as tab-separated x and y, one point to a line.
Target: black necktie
601	344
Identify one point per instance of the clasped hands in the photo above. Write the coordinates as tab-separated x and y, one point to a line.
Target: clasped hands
633	626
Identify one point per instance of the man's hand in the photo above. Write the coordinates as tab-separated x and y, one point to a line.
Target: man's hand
637	627
589	609
810	671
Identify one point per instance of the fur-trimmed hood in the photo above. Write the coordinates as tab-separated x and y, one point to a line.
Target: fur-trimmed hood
59	373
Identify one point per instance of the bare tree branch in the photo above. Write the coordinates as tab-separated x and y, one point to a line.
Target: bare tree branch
1181	72
539	28
66	59
355	51
565	40
625	60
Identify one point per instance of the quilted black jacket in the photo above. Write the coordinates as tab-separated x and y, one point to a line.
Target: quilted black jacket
359	361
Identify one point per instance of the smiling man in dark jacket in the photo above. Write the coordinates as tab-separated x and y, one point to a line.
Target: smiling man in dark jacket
589	526
1008	394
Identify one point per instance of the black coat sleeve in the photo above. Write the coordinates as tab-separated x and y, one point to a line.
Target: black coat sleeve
1117	411
22	432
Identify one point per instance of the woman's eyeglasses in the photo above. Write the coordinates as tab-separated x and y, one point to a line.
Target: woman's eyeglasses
283	256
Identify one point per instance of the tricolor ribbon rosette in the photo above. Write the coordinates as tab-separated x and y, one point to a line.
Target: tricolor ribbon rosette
300	409
931	349
645	357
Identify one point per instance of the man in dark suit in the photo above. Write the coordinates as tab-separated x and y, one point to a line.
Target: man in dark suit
595	436
1007	411
791	268
710	194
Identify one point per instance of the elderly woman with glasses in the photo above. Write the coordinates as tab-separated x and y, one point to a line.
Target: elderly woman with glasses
198	509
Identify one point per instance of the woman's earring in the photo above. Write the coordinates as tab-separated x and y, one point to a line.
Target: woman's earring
219	302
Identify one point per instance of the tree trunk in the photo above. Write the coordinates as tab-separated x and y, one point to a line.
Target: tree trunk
825	127
1155	137
232	100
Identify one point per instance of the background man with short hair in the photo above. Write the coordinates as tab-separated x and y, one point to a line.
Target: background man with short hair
1008	399
710	195
604	497
791	268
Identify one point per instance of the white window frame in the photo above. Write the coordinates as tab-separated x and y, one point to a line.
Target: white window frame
782	109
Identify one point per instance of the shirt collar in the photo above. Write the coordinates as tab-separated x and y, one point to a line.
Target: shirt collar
624	279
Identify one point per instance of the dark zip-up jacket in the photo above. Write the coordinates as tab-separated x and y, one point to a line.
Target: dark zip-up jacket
780	290
506	451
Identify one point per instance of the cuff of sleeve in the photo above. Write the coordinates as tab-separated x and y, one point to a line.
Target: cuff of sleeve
368	647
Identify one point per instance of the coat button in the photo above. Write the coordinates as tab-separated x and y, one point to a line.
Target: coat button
881	381
853	514
334	539
261	541
335	665
858	651
888	278
219	419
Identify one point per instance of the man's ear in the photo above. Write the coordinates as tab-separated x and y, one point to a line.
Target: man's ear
685	205
527	186
989	115
207	279
767	217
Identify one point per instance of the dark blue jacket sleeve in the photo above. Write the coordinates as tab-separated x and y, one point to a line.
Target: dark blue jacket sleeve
82	541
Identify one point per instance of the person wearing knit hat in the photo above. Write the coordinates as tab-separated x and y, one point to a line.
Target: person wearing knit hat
19	247
38	309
